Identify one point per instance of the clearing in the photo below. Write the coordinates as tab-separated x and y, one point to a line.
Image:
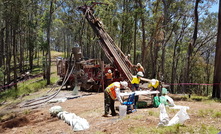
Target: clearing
205	117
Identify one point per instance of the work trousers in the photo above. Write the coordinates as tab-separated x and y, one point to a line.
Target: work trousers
108	104
135	87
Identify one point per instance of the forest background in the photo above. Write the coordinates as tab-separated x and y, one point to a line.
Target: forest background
175	40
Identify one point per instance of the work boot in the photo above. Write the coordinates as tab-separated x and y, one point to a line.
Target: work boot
105	115
114	114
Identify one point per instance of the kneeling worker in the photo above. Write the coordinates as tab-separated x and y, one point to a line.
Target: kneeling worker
111	93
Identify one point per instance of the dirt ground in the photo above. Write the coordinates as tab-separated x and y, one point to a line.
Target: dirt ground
36	120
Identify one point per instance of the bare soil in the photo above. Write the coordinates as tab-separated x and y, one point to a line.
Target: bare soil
36	120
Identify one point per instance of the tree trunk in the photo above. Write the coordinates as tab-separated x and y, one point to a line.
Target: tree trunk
217	66
8	54
144	46
14	56
21	56
135	34
191	45
2	47
48	55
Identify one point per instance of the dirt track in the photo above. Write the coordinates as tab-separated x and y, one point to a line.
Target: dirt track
90	107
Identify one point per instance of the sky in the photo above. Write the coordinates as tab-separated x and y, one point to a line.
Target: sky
214	8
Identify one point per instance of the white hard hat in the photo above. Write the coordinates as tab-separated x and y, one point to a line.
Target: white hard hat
153	81
109	71
124	84
138	64
140	74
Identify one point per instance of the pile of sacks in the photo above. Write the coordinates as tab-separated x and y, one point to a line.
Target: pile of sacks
77	123
180	117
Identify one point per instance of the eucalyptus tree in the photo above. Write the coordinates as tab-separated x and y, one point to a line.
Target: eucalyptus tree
11	16
217	71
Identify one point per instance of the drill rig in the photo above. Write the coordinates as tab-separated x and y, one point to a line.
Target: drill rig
89	73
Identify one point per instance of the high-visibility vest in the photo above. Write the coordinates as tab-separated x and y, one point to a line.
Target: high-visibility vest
140	69
111	89
108	75
135	80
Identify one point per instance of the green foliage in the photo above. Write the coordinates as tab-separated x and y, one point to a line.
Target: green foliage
23	89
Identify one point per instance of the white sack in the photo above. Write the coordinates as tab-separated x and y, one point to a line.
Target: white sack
164	118
180	117
55	110
79	124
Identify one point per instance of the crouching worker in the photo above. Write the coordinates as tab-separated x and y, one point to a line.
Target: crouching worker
111	93
163	99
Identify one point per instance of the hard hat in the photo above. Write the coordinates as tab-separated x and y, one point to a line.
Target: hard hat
109	71
124	84
140	74
138	64
164	91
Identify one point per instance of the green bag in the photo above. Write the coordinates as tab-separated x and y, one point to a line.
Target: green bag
156	101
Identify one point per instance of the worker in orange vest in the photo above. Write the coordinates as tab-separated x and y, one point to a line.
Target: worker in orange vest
109	77
111	93
139	68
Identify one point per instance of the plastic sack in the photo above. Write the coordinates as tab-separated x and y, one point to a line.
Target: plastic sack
180	117
164	118
57	100
69	117
79	124
171	102
76	122
55	110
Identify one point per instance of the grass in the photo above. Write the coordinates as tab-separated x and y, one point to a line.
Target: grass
152	113
27	87
182	129
138	130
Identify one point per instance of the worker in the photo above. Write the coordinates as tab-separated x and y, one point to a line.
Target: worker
111	93
135	84
136	81
163	99
139	68
109	77
154	84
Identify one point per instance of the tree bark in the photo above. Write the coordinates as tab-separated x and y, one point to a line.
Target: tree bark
135	34
48	55
217	66
2	47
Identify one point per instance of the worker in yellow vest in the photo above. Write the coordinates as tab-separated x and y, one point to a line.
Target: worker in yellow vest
111	93
135	84
136	81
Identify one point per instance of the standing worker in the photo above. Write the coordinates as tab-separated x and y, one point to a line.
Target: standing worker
135	84
139	68
109	77
111	93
